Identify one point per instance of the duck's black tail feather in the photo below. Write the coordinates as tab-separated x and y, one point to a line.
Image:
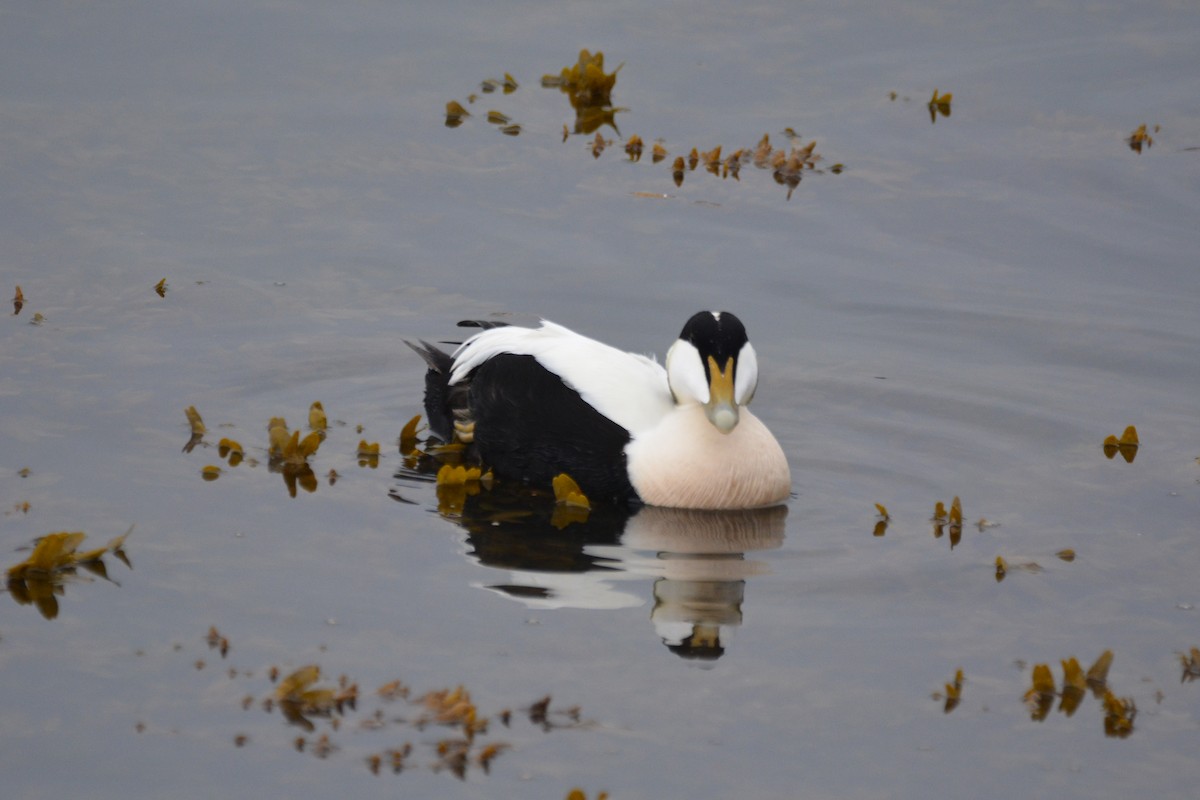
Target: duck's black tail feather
482	324
438	393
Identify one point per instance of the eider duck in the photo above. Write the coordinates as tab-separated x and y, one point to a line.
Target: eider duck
536	402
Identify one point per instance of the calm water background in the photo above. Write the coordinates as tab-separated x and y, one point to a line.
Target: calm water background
969	309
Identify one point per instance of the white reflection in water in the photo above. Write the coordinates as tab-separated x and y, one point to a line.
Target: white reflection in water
697	563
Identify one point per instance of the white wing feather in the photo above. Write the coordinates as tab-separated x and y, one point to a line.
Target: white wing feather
627	388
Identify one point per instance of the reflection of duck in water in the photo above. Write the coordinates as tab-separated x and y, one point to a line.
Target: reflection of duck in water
697	560
702	559
544	565
536	402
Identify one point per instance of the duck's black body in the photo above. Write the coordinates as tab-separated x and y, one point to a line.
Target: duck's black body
565	435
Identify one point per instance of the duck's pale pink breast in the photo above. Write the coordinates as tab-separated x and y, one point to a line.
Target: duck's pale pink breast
687	463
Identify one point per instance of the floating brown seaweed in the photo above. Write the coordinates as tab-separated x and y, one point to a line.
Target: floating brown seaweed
1141	138
196	424
589	90
571	504
1119	712
1003	567
598	144
1074	686
1040	697
633	148
884	518
54	560
455	114
316	417
408	436
579	794
1127	445
677	170
289	455
456	729
953	692
368	454
216	641
939	104
1191	665
455	483
232	450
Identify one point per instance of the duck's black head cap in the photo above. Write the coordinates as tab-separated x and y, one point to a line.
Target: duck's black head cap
715	333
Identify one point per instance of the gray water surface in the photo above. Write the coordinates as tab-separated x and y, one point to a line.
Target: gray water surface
968	309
